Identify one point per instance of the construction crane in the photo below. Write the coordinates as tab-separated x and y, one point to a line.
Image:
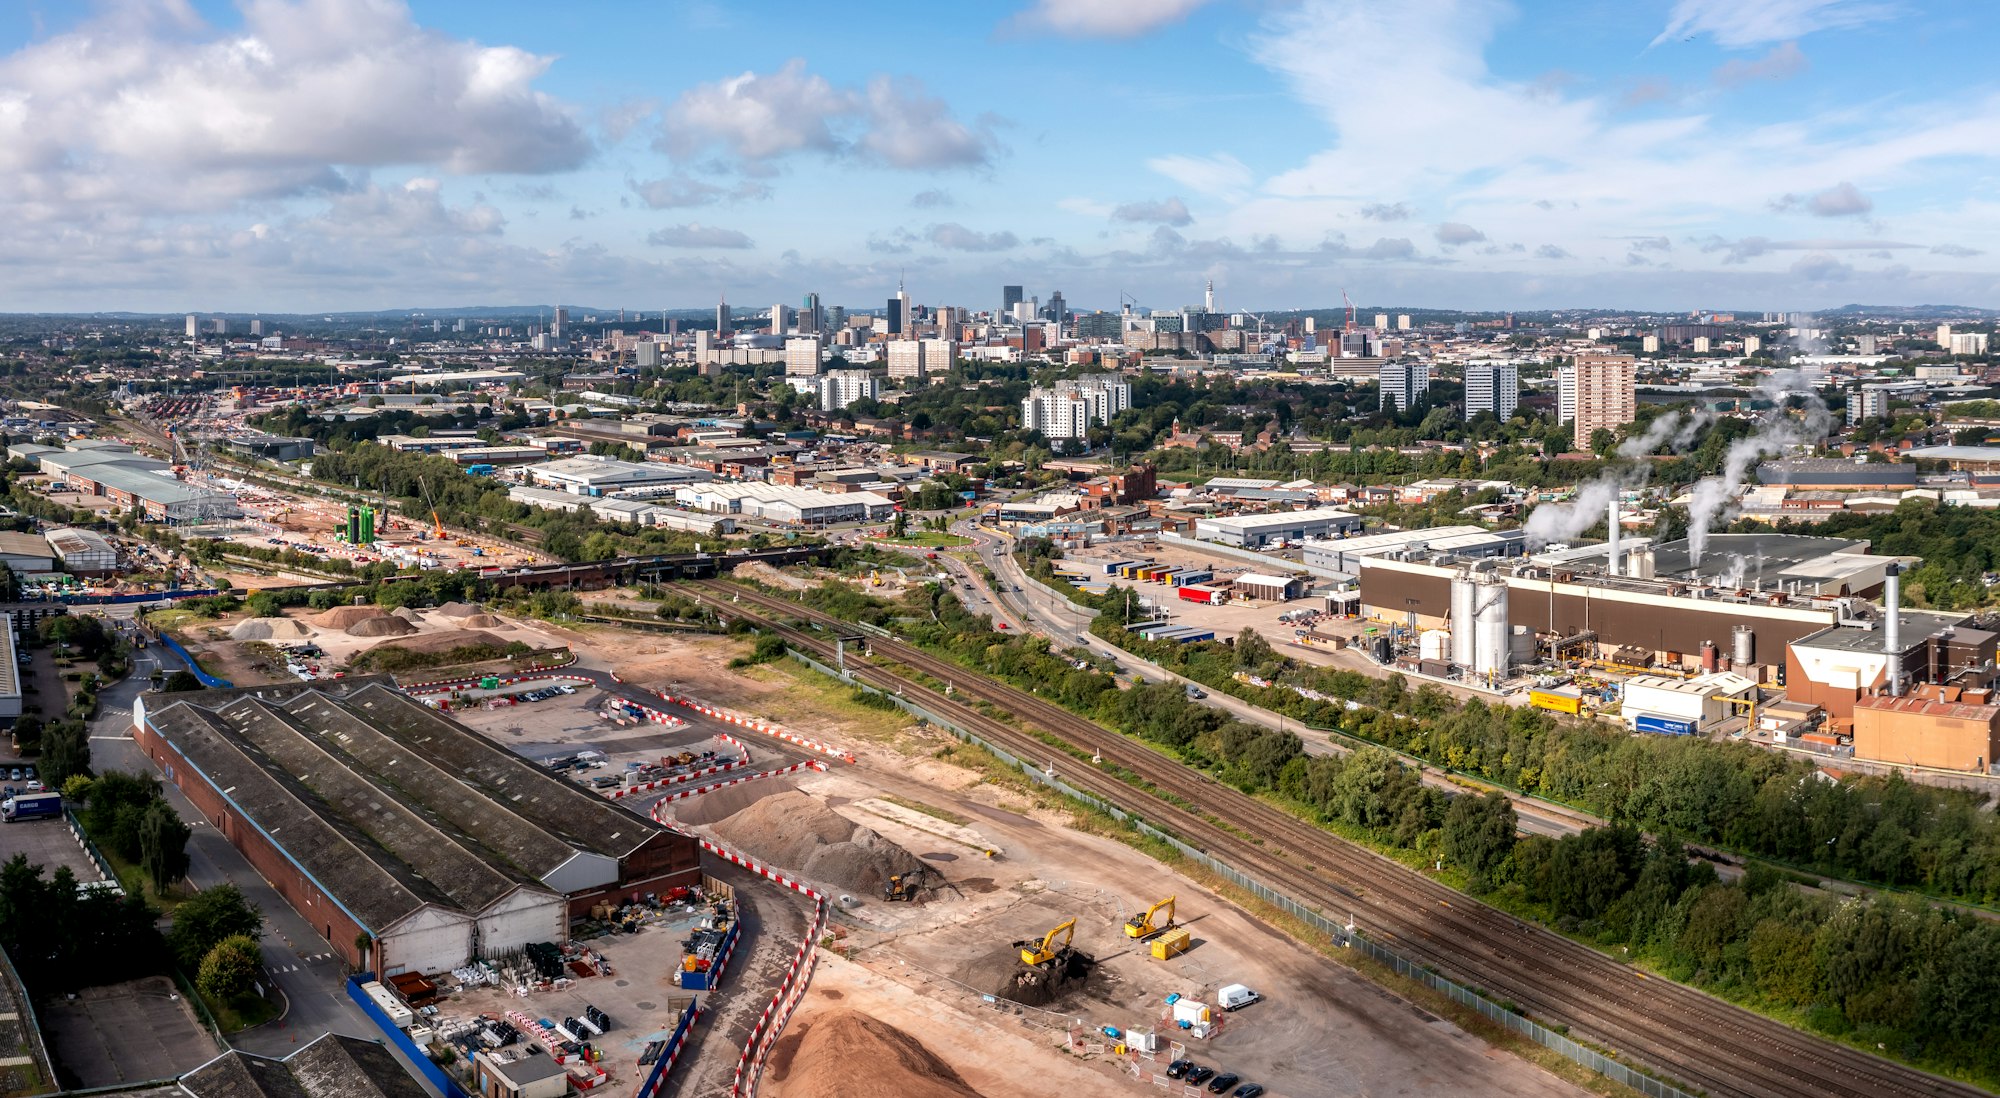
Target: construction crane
1148	923
1036	953
437	523
1349	302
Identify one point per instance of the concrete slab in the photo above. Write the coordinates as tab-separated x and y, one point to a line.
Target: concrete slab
130	1032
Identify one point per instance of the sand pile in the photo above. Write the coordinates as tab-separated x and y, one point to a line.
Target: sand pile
799	832
481	621
340	617
458	609
264	629
846	1052
999	972
445	642
407	614
381	625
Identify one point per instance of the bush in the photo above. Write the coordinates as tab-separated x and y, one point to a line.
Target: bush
215	913
230	968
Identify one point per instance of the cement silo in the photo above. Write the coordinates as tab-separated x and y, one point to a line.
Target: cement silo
1744	657
1464	605
1492	634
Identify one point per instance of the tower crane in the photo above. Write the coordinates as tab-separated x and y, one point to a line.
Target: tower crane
1349	302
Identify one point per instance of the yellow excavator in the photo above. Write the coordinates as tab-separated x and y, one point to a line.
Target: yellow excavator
1037	953
1149	922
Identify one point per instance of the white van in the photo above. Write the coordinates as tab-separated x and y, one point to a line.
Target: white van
1235	997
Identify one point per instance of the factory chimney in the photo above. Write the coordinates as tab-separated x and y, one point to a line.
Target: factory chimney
1611	560
1892	625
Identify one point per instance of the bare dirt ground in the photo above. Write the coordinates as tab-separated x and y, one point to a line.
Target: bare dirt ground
929	968
247	662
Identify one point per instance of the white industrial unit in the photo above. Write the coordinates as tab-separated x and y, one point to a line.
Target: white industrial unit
429	939
1701	701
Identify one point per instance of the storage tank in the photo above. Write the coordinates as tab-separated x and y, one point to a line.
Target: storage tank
353	525
1523	649
1492	633
1711	661
1745	654
1464	600
1431	643
367	525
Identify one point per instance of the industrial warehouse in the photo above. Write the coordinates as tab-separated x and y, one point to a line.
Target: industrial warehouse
409	841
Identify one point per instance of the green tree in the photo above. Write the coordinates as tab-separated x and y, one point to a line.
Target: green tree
180	681
65	751
229	968
264	604
163	845
28	733
1479	836
214	913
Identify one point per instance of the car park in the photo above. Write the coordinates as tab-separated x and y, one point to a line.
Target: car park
1221	1083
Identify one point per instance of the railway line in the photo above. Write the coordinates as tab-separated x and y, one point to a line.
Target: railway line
1694	1039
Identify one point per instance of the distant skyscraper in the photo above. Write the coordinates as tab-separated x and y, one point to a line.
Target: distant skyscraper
193	326
1602	393
722	325
1010	296
222	325
562	323
1058	310
781	319
1867	402
1208	297
836	317
1381	322
811	318
1492	387
1402	322
1404	384
257	327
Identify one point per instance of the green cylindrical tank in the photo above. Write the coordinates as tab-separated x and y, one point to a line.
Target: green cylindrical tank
367	525
354	526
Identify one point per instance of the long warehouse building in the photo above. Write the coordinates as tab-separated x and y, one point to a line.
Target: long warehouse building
409	841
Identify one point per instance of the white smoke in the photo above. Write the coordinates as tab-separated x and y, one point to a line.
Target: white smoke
1562	521
1673	430
1716	496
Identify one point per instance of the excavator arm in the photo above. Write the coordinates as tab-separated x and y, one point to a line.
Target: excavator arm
1046	951
1148	924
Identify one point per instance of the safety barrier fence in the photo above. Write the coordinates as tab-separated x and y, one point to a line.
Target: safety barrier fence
1343	935
809	764
741	761
664	1066
756	724
394	1034
194	668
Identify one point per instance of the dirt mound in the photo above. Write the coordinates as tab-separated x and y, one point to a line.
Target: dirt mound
340	617
799	832
458	609
407	614
481	621
445	642
999	972
846	1052
263	629
382	625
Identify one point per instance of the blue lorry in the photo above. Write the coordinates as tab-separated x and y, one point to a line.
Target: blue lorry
31	806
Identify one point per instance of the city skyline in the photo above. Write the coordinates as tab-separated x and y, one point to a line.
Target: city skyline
334	155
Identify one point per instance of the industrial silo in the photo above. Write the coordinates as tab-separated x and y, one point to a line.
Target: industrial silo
1464	601
1491	630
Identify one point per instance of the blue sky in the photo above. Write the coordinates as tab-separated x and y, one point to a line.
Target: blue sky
333	154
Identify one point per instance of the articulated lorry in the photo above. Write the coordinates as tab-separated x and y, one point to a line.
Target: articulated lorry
31	806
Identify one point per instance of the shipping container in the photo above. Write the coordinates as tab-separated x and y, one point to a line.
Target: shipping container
1171	944
1557	701
1662	726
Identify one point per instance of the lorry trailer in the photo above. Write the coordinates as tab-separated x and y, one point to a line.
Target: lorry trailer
31	806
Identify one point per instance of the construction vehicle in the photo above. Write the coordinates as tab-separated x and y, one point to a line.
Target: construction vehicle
1036	953
437	523
1148	923
907	886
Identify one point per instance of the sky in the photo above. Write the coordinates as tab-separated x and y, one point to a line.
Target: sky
313	155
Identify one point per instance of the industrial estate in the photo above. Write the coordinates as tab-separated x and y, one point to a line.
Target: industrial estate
716	551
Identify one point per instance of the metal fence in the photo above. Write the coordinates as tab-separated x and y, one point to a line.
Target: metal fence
1339	932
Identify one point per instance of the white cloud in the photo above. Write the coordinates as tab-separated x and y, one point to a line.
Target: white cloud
758	118
959	238
1218	174
1784	61
697	235
675	192
932	199
1381	211
1454	233
1957	251
1104	18
1552	251
1170	211
149	109
1840	200
1820	267
1735	24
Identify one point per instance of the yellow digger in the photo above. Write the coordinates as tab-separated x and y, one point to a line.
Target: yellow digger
1036	953
1149	922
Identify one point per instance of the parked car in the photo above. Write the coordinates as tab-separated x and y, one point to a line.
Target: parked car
1221	1083
1198	1074
1249	1090
1179	1068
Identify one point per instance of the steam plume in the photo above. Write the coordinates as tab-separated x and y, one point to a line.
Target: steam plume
1778	432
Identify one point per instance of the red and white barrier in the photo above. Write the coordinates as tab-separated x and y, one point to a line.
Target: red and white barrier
742	760
534	1029
445	686
809	764
529	672
730	716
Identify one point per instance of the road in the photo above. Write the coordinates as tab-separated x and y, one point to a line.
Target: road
1025	603
309	975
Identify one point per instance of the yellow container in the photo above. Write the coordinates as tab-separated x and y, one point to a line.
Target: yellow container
1171	943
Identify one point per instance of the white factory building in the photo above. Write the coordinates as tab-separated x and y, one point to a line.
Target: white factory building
595	475
615	509
784	504
1257	531
1683	707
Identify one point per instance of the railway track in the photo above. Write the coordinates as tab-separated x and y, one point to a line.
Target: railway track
1695	1039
